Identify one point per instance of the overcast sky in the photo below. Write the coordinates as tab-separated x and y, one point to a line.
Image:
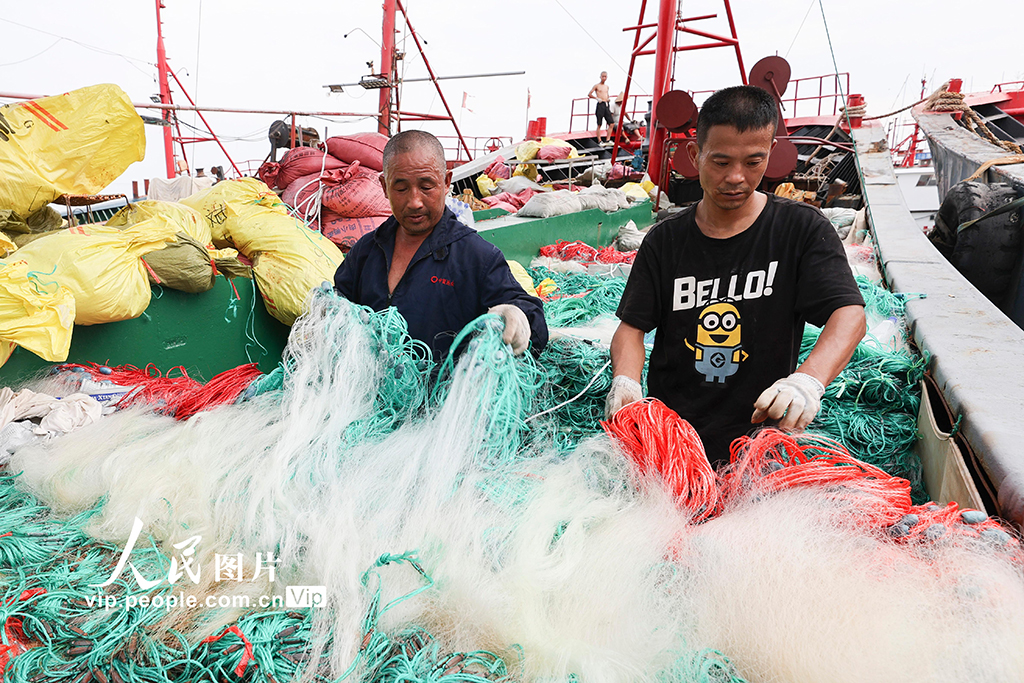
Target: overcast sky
277	55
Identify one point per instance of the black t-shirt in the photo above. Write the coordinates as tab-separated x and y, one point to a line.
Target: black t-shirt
730	312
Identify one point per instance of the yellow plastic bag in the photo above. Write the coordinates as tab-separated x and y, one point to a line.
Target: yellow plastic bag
100	265
527	170
227	263
34	315
6	349
6	245
522	277
635	190
527	150
230	203
76	143
485	185
182	218
288	258
546	287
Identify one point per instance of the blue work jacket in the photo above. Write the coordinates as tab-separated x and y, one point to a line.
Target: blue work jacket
455	276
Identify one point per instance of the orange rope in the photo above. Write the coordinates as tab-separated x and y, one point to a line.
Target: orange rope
659	441
180	396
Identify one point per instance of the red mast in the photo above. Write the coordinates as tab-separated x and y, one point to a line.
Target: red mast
165	93
669	25
663	56
387	62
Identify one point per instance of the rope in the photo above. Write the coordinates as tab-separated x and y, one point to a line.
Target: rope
893	113
577	377
942	100
593	379
660	442
854	110
835	129
1001	161
871	407
580	298
584	253
179	396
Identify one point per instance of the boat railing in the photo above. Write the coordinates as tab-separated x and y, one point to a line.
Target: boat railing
832	90
826	94
1009	85
584	108
249	167
455	154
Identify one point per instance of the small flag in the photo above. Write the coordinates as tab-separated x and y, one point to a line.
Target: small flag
527	99
465	101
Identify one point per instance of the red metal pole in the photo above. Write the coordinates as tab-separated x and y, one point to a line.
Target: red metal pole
165	93
662	68
228	110
710	36
739	55
638	49
911	155
184	155
387	54
430	71
205	123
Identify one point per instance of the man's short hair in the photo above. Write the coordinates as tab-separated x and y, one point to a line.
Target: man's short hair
411	140
745	107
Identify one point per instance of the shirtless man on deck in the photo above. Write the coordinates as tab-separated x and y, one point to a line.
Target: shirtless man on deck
604	116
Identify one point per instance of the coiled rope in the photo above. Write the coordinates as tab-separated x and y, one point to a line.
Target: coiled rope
942	100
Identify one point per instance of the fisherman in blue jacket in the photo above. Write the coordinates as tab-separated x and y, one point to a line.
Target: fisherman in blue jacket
439	273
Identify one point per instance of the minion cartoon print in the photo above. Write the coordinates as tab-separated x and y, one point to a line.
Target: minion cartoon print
718	350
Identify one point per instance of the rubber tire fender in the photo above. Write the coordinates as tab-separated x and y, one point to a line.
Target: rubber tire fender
988	252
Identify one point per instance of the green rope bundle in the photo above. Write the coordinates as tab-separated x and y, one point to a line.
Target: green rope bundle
583	297
884	302
264	384
578	375
703	666
871	407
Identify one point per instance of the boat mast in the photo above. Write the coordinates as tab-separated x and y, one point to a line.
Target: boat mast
663	55
165	93
669	25
387	66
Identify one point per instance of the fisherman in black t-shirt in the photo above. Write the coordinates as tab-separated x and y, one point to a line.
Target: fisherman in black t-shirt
728	284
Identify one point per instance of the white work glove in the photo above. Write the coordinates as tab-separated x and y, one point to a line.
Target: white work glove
793	400
517	327
624	390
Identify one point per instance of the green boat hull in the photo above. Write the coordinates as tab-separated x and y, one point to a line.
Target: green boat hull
204	333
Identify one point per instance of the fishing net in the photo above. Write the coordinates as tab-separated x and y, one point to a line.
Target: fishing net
361	514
